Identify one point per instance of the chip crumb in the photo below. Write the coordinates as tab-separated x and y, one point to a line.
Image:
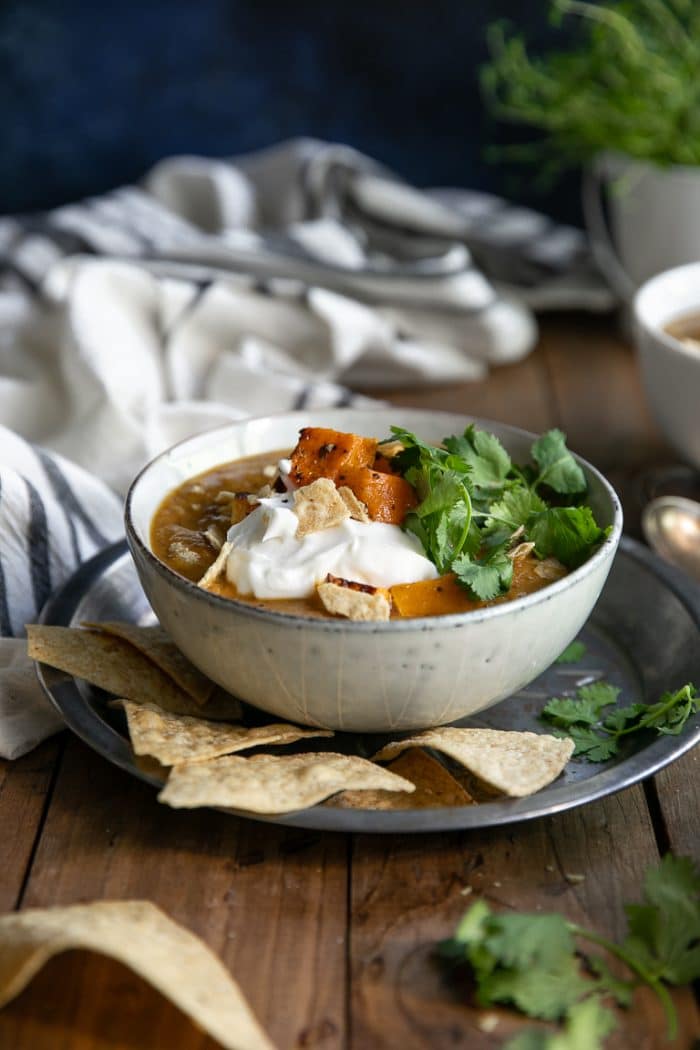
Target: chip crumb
354	601
520	551
180	551
318	506
487	1022
574	877
214	571
269	470
466	891
358	510
549	867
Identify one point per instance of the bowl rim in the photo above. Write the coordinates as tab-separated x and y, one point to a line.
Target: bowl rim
418	623
656	329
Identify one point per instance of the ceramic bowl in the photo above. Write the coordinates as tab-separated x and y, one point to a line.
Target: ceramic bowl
362	677
670	370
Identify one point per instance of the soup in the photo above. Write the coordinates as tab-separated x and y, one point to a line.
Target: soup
228	516
686	329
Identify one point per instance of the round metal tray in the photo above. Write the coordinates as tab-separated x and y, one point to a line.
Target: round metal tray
643	636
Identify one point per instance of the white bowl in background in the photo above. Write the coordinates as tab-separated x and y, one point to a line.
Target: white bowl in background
670	370
363	677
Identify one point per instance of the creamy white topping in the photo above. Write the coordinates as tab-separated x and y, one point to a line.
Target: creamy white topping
269	561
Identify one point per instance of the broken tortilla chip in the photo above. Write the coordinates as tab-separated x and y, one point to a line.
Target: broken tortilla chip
174	739
217	567
518	764
319	506
139	935
354	601
156	644
274	783
356	508
114	665
435	787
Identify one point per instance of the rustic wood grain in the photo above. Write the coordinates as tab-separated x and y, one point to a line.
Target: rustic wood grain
407	894
24	786
271	902
677	791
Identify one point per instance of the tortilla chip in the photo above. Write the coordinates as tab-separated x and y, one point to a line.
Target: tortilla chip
435	787
174	739
319	506
217	567
356	508
345	599
518	764
139	935
274	783
156	644
110	663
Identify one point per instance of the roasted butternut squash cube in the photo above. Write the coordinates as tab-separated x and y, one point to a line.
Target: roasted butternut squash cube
325	453
388	497
438	597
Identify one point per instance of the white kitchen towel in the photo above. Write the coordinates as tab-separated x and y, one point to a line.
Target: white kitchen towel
220	289
53	516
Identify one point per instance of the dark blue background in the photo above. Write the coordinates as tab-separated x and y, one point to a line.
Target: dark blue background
94	93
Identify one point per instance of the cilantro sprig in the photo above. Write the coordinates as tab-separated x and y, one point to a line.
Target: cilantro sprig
474	501
535	962
598	736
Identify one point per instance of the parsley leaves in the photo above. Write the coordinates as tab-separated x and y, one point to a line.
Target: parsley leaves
598	736
535	962
474	501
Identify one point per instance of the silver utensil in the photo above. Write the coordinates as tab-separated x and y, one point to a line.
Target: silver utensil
671	525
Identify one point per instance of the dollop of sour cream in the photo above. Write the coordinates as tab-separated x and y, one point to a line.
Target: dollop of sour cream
268	561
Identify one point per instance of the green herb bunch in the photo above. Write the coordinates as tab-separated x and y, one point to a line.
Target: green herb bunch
598	733
537	964
633	84
475	503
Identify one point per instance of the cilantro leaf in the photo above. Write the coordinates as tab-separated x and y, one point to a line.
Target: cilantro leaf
486	577
589	743
486	456
558	468
664	931
585	710
587	1025
514	509
566	533
572	654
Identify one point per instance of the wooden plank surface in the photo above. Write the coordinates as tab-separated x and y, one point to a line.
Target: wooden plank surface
409	894
271	902
24	789
333	940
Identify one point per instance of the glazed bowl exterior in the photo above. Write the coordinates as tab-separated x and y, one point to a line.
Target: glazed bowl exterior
360	677
670	370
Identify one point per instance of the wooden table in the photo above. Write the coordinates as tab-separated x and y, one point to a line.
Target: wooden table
331	937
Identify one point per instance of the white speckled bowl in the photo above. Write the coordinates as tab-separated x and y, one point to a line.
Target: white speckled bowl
670	370
363	677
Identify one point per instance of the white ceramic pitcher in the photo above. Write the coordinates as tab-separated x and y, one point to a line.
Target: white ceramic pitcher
654	215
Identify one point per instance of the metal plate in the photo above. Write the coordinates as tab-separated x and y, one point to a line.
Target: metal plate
643	636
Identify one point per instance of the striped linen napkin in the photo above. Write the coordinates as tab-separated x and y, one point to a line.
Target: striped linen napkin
221	289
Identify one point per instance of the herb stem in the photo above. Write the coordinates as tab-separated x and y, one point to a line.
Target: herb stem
649	978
